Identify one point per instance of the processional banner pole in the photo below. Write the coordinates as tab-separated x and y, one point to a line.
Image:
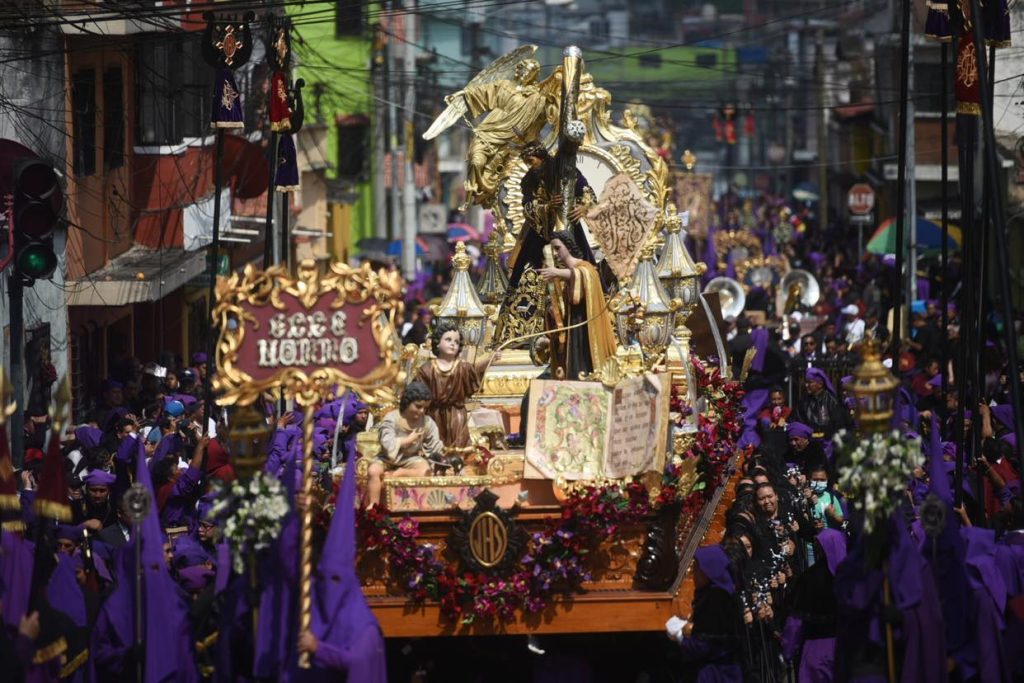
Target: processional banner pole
995	201
227	45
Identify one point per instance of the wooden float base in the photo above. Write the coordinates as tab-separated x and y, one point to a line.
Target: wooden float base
603	609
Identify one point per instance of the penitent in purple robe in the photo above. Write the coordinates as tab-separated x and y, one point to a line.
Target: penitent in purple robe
813	601
1010	560
715	619
988	593
167	641
860	631
277	630
16	561
348	635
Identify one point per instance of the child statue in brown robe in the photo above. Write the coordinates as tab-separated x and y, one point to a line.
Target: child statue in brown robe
452	381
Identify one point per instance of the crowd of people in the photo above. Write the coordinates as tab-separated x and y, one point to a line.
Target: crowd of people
786	590
67	562
795	588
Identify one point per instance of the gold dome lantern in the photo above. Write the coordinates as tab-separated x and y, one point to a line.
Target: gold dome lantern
493	282
461	306
647	313
247	438
874	389
677	271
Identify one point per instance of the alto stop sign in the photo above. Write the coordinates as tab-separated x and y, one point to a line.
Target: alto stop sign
860	199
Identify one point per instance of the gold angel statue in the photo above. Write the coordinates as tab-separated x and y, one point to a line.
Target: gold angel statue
517	106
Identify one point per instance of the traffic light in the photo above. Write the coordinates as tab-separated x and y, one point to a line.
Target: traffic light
36	213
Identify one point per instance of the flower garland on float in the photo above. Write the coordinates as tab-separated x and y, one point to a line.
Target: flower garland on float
556	559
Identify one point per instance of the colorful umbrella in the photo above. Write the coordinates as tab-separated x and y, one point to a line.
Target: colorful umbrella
460	232
378	244
395	248
929	236
437	248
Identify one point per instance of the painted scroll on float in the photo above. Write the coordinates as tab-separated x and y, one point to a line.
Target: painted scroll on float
621	221
693	194
584	430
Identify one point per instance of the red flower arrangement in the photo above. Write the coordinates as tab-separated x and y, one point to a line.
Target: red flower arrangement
555	559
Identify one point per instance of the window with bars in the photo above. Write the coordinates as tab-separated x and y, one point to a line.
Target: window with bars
175	89
83	120
113	118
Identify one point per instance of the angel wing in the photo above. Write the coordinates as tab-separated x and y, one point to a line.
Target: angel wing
501	69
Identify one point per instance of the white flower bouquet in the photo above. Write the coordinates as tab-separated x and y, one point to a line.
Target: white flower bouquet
252	513
874	471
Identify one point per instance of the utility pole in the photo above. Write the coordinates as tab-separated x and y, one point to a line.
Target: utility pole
380	199
823	189
911	186
409	191
394	46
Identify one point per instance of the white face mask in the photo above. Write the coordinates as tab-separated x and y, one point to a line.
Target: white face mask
819	486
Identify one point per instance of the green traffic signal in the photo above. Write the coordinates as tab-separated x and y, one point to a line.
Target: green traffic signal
36	261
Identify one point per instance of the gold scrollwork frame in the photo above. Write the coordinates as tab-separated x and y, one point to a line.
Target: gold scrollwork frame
778	264
727	241
348	285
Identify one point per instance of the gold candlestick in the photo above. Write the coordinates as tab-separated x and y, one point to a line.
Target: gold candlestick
306	556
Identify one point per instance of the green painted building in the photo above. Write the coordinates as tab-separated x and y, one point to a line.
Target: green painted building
333	43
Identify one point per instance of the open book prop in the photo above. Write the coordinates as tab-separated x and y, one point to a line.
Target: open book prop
585	430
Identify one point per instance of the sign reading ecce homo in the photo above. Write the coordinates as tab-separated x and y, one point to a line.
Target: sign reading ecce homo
311	335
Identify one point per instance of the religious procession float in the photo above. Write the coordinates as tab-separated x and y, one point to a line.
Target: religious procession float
552	457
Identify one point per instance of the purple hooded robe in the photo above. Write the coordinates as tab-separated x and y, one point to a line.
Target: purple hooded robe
717	662
167	642
348	635
988	591
818	655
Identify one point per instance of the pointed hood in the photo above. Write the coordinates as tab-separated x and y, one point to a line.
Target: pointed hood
341	613
52	494
127	449
713	561
982	571
169	444
833	543
16	562
63	591
165	615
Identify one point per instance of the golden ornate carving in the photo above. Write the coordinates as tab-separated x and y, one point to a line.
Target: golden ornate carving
629	164
779	265
524	315
682	443
380	290
725	242
488	539
506	385
626	363
622	148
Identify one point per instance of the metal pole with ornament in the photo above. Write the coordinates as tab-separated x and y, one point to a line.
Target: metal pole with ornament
227	45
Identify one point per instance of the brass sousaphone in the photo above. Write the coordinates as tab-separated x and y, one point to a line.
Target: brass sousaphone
801	290
730	294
